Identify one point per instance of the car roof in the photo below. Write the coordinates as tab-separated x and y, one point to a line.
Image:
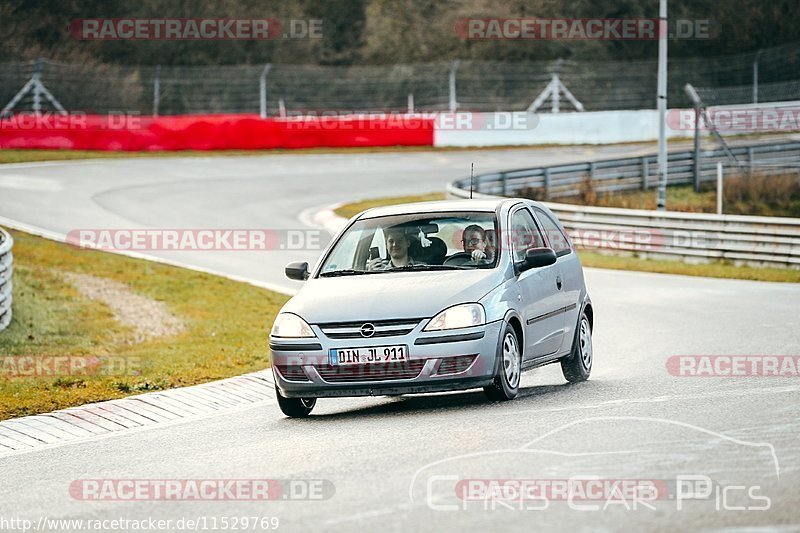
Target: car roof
487	205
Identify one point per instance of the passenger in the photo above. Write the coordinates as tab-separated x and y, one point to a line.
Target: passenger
397	244
491	243
474	241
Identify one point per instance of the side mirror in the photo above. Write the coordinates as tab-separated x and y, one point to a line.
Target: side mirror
537	258
297	270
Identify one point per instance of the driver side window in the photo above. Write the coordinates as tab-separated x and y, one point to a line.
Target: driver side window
524	233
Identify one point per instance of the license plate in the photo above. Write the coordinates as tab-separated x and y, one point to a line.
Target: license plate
366	356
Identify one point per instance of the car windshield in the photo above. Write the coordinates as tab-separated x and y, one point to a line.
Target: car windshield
415	242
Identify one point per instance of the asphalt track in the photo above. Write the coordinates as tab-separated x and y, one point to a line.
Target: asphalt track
392	462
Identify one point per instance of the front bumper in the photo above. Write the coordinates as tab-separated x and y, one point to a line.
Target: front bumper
440	357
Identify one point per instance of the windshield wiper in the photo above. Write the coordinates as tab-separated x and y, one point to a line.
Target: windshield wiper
344	272
427	267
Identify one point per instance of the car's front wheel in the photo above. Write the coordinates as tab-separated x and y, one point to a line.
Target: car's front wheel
295	407
577	365
506	383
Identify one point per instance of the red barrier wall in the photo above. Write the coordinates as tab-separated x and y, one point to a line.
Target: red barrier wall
211	132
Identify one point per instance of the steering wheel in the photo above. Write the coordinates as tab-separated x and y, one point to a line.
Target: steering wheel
458	259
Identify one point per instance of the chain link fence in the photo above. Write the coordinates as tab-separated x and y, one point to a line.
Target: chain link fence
767	75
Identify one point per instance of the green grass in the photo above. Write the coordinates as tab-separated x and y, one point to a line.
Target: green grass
350	209
664	266
226	327
619	262
757	195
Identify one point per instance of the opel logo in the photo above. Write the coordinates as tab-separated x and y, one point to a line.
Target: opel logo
367	330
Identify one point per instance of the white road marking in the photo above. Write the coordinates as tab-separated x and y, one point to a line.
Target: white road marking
660	399
29	183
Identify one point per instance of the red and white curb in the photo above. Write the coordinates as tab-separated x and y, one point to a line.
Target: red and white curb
325	218
144	411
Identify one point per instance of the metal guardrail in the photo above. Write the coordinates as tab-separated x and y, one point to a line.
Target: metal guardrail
6	270
632	173
693	237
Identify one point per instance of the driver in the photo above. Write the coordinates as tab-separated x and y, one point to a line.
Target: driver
397	244
474	241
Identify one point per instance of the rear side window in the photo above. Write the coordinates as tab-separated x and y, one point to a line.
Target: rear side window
558	240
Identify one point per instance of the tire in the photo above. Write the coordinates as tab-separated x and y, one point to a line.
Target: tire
295	407
506	383
577	366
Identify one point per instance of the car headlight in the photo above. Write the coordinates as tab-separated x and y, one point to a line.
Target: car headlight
458	316
291	326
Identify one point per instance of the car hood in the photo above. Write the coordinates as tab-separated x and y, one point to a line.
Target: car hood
390	295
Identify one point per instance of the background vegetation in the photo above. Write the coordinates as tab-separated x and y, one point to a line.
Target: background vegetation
382	31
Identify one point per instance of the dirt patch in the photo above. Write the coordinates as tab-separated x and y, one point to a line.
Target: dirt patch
148	318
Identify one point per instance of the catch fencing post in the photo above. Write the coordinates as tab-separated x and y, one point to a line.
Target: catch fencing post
156	90
262	83
38	89
453	70
696	148
662	105
719	187
755	77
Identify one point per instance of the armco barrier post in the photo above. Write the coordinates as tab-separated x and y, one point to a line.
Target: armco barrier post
6	270
547	183
645	172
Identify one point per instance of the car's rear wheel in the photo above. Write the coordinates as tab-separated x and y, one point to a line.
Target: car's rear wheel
295	407
506	383
577	365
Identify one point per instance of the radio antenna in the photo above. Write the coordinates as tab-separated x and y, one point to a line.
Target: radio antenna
471	178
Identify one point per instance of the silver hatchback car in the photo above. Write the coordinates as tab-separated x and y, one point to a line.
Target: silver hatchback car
434	296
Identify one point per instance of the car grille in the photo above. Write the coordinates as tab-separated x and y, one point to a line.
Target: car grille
371	372
292	372
383	328
454	365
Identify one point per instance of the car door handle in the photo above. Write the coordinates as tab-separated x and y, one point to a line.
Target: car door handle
558	282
